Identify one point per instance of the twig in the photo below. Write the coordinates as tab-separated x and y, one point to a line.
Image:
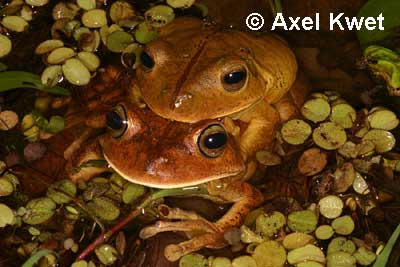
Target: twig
105	236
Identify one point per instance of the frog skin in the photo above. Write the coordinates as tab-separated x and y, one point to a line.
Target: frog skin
147	149
196	71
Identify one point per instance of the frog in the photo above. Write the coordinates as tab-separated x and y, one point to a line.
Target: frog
150	150
198	78
197	70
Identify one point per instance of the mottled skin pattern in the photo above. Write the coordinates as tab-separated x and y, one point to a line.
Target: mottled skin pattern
184	93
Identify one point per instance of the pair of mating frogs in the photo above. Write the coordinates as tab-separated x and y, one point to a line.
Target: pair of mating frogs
214	97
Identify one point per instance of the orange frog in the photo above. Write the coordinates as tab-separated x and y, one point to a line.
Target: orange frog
214	98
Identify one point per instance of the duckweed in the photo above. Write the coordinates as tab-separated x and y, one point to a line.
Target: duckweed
341	259
121	10
6	187
144	34
117	41
159	16
383	119
39	210
61	191
304	221
90	60
330	206
131	192
324	232
343	225
104	208
36	2
86	4
343	114
180	3
106	254
269	224
296	132
269	254
307	253
297	240
244	261
248	236
59	55
329	136
94	18
316	110
14	23
341	244
76	72
360	185
194	260
5	45
7	216
8	120
52	75
364	257
48	46
384	140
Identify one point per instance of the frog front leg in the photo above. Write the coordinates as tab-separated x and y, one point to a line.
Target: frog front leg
262	120
202	232
81	165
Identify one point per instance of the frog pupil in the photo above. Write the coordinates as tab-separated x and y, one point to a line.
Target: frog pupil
235	77
114	121
146	60
214	141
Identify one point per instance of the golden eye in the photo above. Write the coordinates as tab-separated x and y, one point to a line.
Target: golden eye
117	121
212	141
234	79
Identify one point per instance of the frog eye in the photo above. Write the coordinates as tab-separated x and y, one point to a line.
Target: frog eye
234	79
212	141
147	60
117	121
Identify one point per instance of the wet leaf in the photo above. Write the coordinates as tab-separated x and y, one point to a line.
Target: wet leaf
390	10
383	258
19	79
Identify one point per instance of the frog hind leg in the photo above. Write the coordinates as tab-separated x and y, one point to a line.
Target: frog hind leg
205	233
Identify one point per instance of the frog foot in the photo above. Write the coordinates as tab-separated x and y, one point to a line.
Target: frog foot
202	232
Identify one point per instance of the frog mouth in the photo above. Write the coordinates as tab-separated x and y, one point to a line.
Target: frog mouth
155	180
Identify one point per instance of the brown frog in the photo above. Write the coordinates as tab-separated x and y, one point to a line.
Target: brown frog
216	98
196	71
147	149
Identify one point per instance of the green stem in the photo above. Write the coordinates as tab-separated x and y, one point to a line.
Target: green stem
36	257
383	258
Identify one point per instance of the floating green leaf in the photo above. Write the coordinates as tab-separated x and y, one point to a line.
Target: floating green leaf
390	11
20	79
